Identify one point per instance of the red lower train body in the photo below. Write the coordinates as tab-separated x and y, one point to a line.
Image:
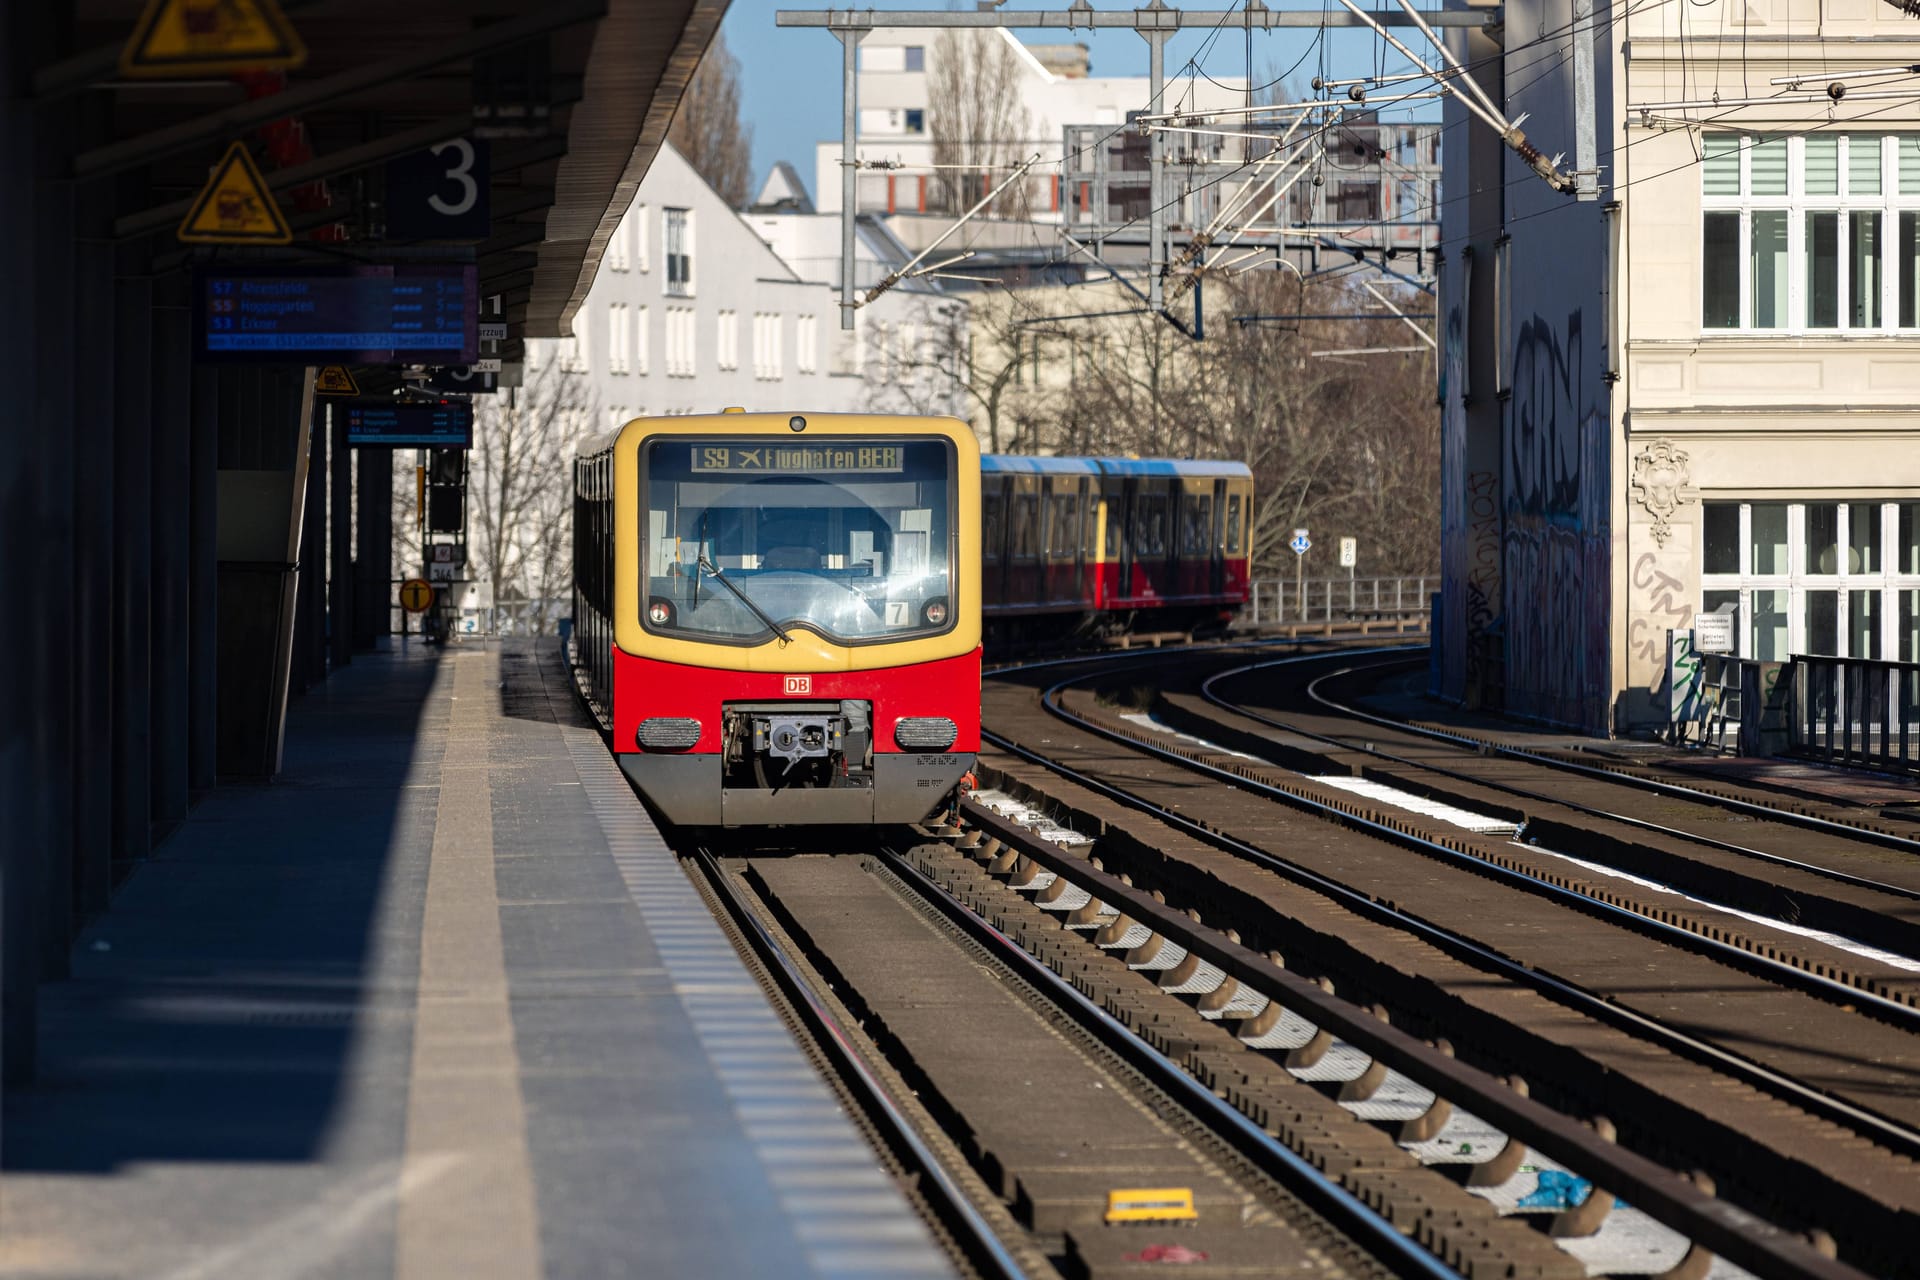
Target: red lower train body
914	729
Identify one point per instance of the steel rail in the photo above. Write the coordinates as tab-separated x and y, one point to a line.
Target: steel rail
1624	780
1888	1132
975	1238
1344	1210
1893	1012
1852	831
1726	1229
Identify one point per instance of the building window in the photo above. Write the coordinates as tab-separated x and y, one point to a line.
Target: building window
916	57
680	342
619	340
642	341
916	120
679	252
618	258
1814	234
1837	578
573	353
617	417
727	340
640	234
769	360
806	343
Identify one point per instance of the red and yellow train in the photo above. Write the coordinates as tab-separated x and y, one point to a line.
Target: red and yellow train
1102	545
779	616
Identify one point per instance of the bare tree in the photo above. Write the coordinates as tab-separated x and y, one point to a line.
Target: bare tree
708	131
978	118
952	358
520	489
1344	445
519	493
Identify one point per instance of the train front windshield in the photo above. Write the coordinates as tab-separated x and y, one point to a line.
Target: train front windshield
745	538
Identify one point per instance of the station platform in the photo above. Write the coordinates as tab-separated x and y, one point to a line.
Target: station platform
437	1003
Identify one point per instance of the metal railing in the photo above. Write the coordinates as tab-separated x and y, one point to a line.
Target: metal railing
1275	601
1857	711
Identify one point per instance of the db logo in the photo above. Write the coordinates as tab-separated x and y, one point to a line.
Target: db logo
798	684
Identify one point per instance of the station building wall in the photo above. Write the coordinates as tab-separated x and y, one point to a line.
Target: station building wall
1715	383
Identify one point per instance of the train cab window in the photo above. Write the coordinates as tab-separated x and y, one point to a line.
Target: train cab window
848	538
1234	514
1063	526
1196	525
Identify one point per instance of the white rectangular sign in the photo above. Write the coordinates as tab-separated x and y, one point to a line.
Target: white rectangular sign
493	331
485	365
1349	552
1713	632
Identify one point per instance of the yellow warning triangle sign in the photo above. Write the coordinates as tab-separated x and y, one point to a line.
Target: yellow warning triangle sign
200	37
235	206
334	380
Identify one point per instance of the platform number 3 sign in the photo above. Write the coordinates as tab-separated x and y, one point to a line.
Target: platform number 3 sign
440	193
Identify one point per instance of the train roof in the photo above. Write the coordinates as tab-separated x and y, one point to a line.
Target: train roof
993	463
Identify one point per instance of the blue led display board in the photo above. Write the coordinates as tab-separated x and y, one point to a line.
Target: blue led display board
440	424
364	315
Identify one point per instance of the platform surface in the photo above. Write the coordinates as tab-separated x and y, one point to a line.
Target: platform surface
436	1003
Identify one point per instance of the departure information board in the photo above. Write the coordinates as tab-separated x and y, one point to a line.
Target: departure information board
443	424
392	314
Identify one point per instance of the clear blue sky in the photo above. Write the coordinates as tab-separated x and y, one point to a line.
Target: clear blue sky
791	77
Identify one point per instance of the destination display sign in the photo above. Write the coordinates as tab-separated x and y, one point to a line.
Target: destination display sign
436	425
348	315
823	459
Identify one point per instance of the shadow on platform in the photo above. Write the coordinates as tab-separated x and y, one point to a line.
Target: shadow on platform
267	950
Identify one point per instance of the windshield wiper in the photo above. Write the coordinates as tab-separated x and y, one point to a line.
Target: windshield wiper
745	599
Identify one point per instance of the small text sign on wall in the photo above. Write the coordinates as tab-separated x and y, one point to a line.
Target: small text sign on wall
1713	632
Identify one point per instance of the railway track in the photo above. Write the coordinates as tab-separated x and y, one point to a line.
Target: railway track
1795	1137
999	1083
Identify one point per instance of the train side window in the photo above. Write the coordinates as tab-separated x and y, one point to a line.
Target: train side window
1063	533
1150	525
1116	515
1196	523
1234	540
993	525
1026	525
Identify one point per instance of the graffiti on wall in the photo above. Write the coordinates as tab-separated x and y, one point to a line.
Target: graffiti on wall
1555	578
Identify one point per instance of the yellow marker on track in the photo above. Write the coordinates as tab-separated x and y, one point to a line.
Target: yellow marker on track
1151	1204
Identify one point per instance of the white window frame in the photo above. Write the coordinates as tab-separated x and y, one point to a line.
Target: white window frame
727	340
1799	579
642	260
576	355
619	340
684	287
618	258
806	341
1797	204
642	342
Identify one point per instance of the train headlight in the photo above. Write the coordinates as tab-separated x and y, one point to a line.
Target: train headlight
935	612
668	733
660	613
925	733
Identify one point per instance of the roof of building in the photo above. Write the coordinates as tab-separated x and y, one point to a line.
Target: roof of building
782	192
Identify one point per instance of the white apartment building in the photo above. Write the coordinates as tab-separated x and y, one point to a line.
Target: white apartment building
1698	393
692	312
896	118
